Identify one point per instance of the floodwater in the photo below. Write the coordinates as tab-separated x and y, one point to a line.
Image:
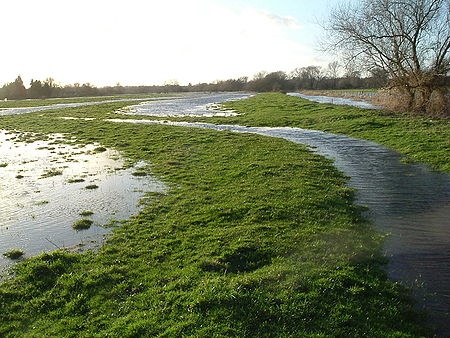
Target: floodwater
43	191
336	100
202	106
406	201
24	110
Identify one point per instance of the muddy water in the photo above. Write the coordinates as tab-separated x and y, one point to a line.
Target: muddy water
38	204
202	106
407	201
336	100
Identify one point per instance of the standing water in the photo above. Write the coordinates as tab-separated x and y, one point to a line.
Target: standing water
336	100
407	201
46	186
202	106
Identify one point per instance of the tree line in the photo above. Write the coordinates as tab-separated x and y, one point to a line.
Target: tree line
304	78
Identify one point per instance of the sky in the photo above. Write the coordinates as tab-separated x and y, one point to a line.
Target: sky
145	42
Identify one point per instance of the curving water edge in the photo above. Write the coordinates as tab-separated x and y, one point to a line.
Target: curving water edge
407	201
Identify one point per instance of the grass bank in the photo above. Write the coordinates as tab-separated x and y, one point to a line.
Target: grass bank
418	138
256	237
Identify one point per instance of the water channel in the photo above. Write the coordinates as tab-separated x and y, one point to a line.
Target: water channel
407	201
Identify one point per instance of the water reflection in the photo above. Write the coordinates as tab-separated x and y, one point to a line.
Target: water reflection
203	106
408	201
24	110
336	100
43	191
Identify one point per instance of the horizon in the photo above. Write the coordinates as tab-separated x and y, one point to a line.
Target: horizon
146	43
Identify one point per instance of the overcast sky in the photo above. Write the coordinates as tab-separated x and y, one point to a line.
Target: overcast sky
150	42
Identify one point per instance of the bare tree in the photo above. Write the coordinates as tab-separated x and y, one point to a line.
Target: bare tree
410	39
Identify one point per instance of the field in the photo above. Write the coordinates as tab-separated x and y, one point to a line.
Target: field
256	236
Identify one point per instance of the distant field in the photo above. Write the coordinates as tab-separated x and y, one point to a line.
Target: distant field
46	102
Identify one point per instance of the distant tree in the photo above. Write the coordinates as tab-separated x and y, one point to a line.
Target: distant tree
36	90
409	39
263	82
49	87
332	73
307	77
18	90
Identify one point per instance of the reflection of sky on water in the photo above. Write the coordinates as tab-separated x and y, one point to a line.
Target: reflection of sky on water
36	213
336	100
24	110
202	106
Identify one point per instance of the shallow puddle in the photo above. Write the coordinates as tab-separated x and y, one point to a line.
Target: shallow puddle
406	201
202	106
336	100
45	185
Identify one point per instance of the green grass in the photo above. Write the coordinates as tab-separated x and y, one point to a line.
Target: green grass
14	254
418	138
256	237
82	224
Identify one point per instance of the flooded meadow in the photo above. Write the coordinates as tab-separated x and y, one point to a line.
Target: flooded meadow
48	183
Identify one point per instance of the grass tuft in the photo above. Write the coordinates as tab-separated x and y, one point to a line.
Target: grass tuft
86	213
14	254
82	224
75	180
51	173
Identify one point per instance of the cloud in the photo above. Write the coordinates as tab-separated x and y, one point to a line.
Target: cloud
287	21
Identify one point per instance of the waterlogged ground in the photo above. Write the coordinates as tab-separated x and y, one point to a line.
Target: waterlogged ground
406	201
27	109
45	186
201	106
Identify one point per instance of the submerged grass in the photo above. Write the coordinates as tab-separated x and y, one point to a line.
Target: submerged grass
257	236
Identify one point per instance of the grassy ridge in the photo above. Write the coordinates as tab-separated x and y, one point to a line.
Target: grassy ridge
256	237
420	139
